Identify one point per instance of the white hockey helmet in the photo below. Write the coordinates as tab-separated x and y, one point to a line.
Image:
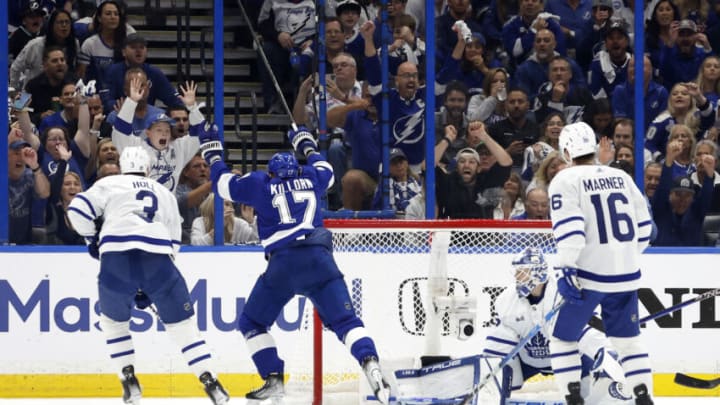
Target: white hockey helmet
577	139
134	159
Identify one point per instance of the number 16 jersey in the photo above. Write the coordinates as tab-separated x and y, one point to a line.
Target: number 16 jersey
601	226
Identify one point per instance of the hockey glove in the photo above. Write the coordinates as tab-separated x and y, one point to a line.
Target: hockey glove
93	248
302	141
208	132
568	284
142	301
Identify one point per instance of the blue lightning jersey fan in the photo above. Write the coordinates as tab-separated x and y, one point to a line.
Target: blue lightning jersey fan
286	208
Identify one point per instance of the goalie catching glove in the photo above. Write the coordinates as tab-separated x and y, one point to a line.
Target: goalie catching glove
568	284
302	141
211	148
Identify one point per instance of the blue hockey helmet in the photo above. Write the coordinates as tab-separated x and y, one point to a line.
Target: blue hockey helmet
283	165
530	270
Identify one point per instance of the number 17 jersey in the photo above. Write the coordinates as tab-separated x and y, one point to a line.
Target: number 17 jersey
286	209
601	226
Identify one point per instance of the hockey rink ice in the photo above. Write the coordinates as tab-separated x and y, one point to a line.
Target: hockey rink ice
240	401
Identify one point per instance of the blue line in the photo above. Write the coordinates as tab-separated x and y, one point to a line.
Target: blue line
199	359
569	234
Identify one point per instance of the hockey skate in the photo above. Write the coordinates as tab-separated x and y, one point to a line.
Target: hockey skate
380	387
131	387
274	388
574	397
642	396
214	389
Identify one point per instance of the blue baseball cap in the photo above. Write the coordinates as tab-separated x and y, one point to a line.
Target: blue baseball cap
159	117
17	145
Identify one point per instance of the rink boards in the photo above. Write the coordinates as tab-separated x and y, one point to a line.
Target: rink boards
51	344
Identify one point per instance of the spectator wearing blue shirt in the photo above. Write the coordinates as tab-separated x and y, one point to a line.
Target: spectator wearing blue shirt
407	105
560	94
657	31
519	32
679	208
475	64
681	57
687	106
144	112
537	205
609	67
446	38
655	95
26	183
359	119
135	53
532	73
602	11
575	19
708	78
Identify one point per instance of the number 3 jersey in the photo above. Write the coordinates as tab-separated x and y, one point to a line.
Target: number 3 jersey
601	225
286	209
137	213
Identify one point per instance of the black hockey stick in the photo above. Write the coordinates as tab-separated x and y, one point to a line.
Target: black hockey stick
264	58
596	322
693	382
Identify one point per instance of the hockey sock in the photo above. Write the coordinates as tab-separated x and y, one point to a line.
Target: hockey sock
119	343
186	335
634	360
360	344
566	363
264	354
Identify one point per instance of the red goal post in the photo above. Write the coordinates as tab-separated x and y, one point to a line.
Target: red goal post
393	268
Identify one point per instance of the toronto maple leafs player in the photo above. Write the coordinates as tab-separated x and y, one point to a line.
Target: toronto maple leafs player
168	156
523	306
601	225
136	243
298	248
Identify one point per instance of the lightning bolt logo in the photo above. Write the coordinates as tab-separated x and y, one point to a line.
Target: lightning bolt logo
411	128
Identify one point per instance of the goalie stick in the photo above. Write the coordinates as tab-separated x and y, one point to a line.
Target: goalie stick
694	382
508	357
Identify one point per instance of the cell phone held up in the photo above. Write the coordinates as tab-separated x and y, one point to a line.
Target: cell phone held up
22	101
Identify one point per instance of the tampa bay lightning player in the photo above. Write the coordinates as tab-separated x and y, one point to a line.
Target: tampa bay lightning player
299	253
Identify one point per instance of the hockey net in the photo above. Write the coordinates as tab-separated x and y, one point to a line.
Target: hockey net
392	269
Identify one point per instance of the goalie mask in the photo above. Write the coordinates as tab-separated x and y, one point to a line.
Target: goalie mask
576	140
283	165
530	270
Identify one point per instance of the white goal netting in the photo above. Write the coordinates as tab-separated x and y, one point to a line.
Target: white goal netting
392	269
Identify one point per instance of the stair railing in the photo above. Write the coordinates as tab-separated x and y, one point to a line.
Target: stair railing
204	71
253	130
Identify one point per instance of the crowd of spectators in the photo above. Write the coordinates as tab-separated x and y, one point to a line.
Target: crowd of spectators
509	76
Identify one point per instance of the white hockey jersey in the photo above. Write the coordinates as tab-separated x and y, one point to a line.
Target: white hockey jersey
137	213
517	317
601	225
167	164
